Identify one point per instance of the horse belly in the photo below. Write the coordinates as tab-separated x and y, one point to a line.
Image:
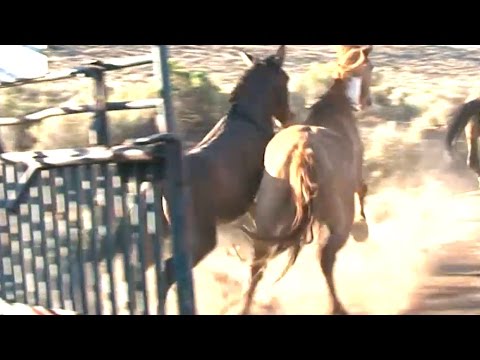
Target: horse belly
230	208
228	169
234	194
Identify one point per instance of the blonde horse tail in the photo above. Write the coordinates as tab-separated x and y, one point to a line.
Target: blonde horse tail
304	189
302	181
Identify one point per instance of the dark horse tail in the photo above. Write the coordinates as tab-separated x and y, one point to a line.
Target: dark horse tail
460	120
302	183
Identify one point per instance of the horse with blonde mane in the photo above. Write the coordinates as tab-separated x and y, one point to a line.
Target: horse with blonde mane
312	175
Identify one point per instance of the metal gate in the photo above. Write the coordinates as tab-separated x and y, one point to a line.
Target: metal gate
79	228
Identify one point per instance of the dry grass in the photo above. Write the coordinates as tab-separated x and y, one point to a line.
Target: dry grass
199	105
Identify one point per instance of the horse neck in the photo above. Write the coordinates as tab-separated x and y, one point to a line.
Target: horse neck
255	109
334	109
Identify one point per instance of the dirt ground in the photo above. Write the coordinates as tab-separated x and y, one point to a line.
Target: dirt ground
423	255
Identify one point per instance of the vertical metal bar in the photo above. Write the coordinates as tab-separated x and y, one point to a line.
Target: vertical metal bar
157	78
181	253
84	240
182	261
92	176
109	219
33	248
3	284
166	90
127	240
101	135
56	235
71	250
2	278
136	263
9	255
77	171
43	240
158	238
142	233
72	259
21	250
25	246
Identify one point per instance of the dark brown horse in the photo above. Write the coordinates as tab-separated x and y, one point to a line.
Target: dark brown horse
312	175
467	118
225	168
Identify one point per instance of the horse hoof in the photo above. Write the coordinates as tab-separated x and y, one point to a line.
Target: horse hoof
360	231
340	312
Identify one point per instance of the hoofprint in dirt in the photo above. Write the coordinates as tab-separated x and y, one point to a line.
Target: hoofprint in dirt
454	287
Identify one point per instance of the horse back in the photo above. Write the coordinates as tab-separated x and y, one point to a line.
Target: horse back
228	165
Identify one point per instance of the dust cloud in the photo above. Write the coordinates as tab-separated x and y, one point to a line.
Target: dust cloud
412	212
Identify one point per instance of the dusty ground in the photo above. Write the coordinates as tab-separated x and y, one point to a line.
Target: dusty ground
423	254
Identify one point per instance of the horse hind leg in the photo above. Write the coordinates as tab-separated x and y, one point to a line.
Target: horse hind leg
202	237
328	256
258	267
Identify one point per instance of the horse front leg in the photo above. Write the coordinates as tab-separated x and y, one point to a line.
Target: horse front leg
360	229
201	237
472	132
234	250
362	194
341	212
328	256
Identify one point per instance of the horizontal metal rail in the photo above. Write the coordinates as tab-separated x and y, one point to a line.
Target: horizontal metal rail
141	150
41	115
84	70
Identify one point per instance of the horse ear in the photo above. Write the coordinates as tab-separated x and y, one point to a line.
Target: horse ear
367	50
248	59
280	55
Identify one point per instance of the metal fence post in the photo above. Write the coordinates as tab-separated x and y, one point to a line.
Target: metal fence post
101	133
167	91
178	194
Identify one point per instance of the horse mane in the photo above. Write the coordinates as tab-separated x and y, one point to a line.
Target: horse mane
350	58
329	96
459	121
239	88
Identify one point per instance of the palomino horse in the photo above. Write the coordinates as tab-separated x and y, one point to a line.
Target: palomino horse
467	118
312	174
225	169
